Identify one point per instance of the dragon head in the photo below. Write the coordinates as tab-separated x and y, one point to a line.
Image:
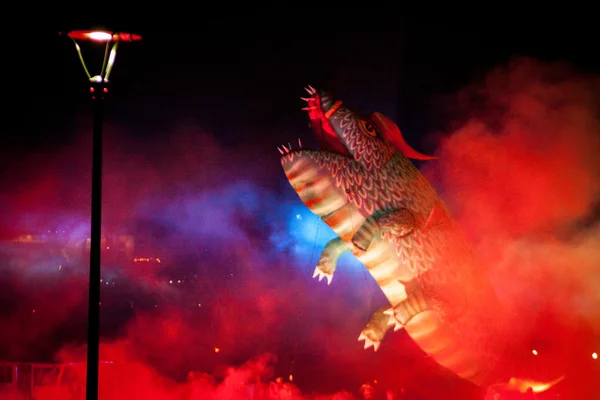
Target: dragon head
347	140
370	140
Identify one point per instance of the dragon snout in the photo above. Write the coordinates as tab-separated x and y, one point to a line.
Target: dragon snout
326	100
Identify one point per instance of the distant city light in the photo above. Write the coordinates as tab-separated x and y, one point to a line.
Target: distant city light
146	259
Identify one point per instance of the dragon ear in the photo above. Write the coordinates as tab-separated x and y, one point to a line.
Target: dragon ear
389	130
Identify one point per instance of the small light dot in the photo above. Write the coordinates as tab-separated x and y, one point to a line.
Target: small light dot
534	352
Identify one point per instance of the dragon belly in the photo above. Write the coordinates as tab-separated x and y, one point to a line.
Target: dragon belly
436	338
424	317
459	327
387	270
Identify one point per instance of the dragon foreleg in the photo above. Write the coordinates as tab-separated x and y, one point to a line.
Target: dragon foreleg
328	260
330	255
401	222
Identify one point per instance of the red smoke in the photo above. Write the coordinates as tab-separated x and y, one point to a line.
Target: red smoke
522	174
518	174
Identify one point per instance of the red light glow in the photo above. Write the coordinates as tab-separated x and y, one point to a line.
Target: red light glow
104	36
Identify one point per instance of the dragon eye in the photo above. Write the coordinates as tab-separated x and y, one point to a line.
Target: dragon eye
368	128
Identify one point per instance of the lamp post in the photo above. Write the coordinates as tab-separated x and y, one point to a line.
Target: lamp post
98	92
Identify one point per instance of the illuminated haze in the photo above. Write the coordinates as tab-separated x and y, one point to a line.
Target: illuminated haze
519	169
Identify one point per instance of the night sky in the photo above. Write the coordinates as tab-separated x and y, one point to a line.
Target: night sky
255	67
192	171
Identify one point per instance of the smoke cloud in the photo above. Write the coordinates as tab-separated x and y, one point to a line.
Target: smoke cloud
236	248
519	168
522	174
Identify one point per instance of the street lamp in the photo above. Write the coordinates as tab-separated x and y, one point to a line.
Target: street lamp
98	91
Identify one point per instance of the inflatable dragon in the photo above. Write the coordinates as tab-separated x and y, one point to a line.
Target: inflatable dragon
362	184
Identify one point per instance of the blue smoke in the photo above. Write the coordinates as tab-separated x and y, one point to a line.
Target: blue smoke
243	211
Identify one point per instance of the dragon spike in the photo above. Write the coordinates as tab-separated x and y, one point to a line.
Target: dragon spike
320	274
299	143
368	342
390	131
307	98
280	151
289	145
389	311
310	90
285	148
309	108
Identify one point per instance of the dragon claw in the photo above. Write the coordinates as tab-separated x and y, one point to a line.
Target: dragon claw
321	275
369	342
